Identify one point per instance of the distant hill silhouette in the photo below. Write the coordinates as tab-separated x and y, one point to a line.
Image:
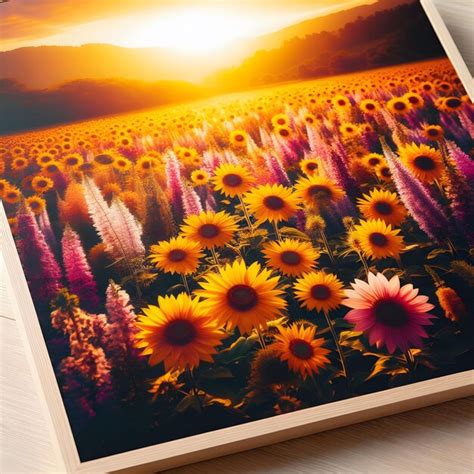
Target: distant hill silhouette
401	34
46	66
22	108
331	22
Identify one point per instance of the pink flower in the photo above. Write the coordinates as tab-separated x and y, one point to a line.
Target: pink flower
389	314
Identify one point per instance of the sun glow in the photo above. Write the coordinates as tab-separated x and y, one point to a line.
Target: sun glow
196	30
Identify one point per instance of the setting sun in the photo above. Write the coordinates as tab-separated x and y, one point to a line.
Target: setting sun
195	30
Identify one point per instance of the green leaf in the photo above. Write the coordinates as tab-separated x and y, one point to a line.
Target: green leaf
295	233
216	373
188	402
238	350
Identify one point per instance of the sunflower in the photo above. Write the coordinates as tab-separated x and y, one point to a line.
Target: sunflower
309	119
19	163
11	195
52	168
232	180
369	106
349	130
280	120
309	166
283	132
399	105
271	202
383	172
414	99
36	204
319	290
377	239
177	332
389	314
210	229
241	296
104	159
423	161
146	164
166	385
433	132
200	177
44	159
299	347
291	257
4	185
318	191
41	184
238	138
122	164
340	102
73	161
450	104
177	255
382	204
373	160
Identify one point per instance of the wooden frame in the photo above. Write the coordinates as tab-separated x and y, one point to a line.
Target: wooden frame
237	438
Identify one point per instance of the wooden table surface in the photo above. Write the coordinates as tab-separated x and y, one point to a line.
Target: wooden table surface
436	439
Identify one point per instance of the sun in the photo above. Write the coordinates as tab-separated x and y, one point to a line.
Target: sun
198	30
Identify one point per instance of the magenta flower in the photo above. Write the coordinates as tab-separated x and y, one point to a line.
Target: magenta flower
389	314
41	269
78	272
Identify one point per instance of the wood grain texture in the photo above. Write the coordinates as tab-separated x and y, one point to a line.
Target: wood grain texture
434	439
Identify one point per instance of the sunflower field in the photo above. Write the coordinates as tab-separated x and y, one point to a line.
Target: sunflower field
209	264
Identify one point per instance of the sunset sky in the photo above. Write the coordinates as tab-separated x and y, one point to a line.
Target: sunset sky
185	25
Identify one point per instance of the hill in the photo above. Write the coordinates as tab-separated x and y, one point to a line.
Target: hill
46	66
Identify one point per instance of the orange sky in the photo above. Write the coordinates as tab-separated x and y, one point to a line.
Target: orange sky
187	25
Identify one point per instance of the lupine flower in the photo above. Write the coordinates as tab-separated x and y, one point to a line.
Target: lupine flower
422	207
40	266
78	272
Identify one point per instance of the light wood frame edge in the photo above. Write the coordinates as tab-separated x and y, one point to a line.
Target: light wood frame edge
236	438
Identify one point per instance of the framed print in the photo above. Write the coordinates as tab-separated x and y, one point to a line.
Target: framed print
227	224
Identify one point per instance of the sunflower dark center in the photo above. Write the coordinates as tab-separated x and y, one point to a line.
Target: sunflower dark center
370	106
374	161
233	180
284	132
320	292
290	257
433	132
239	138
424	163
146	165
399	106
390	313
104	159
453	102
301	349
281	121
242	297
180	332
318	191
413	100
385	171
383	208
378	239
311	166
177	255
209	231
341	102
274	203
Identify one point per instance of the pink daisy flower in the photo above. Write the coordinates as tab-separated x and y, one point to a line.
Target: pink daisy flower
389	314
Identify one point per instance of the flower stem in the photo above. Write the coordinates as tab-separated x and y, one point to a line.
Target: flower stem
277	231
328	248
260	339
214	256
195	390
338	346
185	283
246	214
